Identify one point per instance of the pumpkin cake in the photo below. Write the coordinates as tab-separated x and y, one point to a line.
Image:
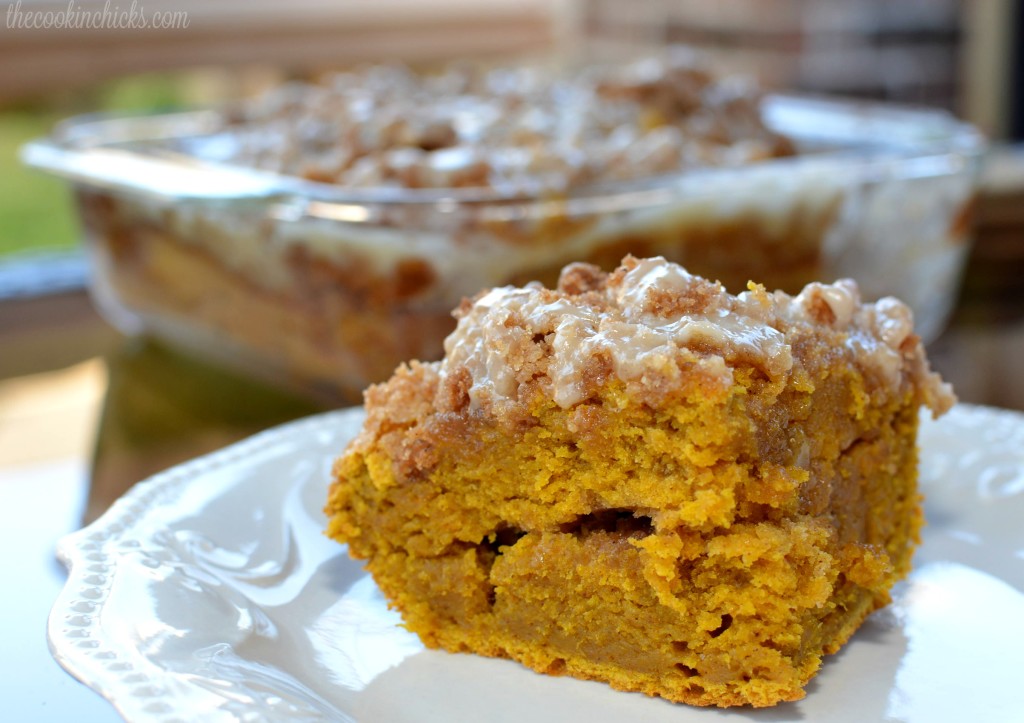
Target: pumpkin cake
641	479
329	304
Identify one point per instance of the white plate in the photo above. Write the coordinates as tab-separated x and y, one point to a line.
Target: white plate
209	593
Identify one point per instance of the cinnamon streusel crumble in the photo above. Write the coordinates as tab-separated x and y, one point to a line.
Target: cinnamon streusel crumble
511	129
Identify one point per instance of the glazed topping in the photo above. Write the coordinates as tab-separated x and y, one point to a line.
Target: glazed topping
512	129
876	332
640	321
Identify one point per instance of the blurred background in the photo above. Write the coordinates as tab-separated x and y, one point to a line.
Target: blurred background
86	411
72	385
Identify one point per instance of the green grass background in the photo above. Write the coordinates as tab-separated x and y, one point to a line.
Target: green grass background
36	211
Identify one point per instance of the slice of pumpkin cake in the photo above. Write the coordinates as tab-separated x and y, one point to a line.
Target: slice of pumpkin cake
641	479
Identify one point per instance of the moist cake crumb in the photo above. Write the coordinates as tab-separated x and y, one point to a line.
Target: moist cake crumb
641	479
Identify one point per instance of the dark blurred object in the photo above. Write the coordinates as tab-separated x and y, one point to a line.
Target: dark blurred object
981	350
1017	77
993	289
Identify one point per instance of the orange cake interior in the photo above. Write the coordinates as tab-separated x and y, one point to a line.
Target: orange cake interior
641	479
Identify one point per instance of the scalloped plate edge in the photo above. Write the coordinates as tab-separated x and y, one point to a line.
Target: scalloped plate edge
92	570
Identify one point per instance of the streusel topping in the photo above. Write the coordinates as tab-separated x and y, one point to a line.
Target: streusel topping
644	320
518	130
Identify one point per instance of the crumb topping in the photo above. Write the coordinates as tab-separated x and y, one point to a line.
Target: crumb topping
514	129
650	319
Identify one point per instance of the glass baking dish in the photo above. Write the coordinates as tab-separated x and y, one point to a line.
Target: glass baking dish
327	289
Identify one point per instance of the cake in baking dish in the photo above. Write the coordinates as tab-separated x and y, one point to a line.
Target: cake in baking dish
641	479
330	296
